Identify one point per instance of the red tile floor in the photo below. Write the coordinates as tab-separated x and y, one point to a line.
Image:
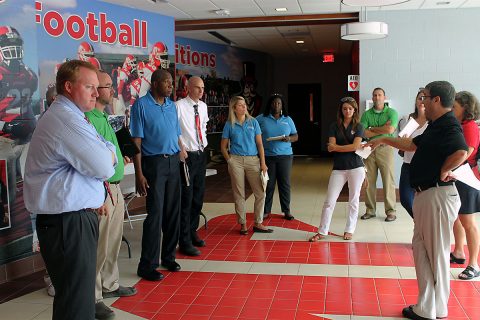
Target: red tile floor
228	296
226	244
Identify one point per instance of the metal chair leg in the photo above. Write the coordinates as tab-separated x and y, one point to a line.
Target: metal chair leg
205	218
128	247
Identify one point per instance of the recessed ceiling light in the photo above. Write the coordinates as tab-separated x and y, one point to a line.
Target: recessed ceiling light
222	12
300	41
281	9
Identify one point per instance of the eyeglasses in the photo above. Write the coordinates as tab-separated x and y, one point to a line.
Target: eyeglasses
347	99
423	98
109	87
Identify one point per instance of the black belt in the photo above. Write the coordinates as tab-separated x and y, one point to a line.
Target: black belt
89	210
426	186
115	182
195	152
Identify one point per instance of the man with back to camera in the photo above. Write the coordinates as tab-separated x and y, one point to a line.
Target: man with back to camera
110	225
66	165
380	121
193	117
156	132
440	149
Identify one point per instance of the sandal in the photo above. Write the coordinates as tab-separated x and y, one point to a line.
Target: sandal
244	230
347	236
316	238
469	273
456	260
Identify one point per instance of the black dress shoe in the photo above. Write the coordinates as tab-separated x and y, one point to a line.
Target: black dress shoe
171	266
103	312
150	275
197	242
408	313
288	216
266	215
189	251
260	230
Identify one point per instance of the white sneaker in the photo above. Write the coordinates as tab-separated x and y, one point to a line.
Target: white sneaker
49	286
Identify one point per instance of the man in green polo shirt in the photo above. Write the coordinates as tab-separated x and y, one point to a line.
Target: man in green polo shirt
111	213
380	121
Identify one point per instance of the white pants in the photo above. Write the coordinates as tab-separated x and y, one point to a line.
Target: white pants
338	178
434	212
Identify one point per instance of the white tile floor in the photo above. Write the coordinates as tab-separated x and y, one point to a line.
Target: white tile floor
309	183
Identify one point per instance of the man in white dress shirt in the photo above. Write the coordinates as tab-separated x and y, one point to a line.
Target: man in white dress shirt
193	118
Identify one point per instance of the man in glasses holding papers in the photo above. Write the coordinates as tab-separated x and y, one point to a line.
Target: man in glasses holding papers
438	151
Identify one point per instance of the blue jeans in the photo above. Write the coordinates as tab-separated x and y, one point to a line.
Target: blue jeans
406	191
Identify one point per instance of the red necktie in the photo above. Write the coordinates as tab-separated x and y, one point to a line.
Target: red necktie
106	185
198	128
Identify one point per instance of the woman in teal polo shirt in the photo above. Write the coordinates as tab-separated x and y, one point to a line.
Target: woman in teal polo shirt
278	133
246	157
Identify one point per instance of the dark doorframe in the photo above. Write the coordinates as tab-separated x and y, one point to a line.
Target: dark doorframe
304	106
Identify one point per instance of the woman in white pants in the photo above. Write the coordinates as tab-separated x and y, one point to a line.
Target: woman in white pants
344	137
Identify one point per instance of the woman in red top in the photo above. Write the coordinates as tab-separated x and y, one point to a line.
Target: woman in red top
466	110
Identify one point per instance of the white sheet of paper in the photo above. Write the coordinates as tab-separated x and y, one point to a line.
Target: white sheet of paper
264	178
364	152
409	128
276	138
465	174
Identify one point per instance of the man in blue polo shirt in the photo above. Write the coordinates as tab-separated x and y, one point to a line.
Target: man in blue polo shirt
156	131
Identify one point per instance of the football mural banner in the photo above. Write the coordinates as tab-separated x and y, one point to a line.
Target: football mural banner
19	104
226	71
127	44
36	37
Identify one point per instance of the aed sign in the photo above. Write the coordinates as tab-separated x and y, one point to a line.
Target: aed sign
353	82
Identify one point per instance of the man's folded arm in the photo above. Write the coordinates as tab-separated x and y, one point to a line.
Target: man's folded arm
89	153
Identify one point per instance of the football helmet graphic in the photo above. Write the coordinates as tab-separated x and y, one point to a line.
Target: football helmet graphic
85	51
11	45
130	63
95	62
159	55
140	67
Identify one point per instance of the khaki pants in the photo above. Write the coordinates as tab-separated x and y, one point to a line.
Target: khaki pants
109	241
249	166
434	212
380	159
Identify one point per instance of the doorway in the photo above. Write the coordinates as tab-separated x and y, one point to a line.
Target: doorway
304	106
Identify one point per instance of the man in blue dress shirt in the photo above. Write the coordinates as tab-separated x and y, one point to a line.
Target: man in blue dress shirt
66	165
156	132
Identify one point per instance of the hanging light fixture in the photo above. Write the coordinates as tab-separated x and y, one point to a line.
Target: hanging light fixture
363	30
372	3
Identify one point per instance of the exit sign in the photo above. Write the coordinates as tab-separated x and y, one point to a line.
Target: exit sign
328	57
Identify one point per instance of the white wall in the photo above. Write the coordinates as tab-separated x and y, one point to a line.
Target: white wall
422	46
